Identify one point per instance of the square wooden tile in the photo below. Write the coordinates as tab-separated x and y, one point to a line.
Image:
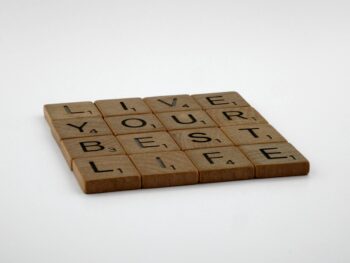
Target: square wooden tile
165	169
106	173
134	124
200	138
252	134
180	120
80	127
148	142
70	110
220	100
172	103
276	159
89	147
221	164
117	107
235	116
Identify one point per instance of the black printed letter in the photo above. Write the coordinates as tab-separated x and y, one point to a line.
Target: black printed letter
230	114
140	123
251	130
214	101
91	146
96	170
210	159
202	138
80	128
268	154
192	119
142	143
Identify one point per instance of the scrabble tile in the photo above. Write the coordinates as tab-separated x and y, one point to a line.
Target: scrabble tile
276	159
81	127
252	134
165	169
89	147
134	124
220	100
221	164
235	116
70	110
185	120
172	103
147	142
106	173
117	107
200	138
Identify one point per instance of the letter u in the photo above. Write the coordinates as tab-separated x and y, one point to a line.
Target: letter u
190	121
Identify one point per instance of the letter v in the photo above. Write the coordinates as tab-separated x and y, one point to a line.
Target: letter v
172	104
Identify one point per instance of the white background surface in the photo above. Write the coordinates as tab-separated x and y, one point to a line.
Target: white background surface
289	59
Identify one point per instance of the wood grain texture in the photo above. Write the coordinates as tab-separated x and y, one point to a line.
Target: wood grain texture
70	110
118	107
276	159
200	138
221	164
132	143
148	142
134	124
180	120
89	147
253	134
172	103
165	169
235	116
220	100
106	174
80	127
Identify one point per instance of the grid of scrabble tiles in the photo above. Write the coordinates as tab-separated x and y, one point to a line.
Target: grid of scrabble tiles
132	143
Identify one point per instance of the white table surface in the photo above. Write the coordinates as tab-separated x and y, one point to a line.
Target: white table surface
289	59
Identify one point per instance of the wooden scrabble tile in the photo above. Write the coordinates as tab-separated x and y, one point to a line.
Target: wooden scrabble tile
172	103
252	134
117	107
235	116
81	127
89	147
221	164
70	110
220	100
185	120
134	124
106	173
165	169
276	159
147	142
200	138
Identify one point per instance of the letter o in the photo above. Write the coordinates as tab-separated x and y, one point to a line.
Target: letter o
135	123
